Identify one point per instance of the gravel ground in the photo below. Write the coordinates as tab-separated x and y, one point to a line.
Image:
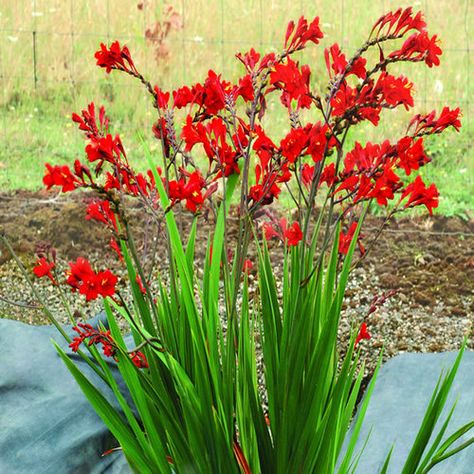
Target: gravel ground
430	262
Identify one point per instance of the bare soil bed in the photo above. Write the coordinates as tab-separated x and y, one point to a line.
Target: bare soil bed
429	261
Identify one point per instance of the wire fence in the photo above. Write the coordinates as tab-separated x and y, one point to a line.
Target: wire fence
47	46
48	42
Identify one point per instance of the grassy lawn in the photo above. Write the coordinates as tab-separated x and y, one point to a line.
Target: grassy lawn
35	121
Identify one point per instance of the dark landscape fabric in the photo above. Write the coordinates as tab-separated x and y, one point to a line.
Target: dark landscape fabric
46	423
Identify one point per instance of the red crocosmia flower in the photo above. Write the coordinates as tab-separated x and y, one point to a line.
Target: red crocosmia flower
293	82
338	63
240	139
318	141
60	176
82	172
418	194
43	268
348	184
249	59
88	121
182	97
372	114
115	57
269	231
248	265
140	285
293	234
79	271
290	235
427	124
343	100
263	146
362	105
294	143
385	186
193	133
367	159
395	90
100	211
189	189
111	181
214	93
307	174
363	334
94	336
346	239
139	360
89	288
266	189
358	68
116	248
106	282
411	154
447	118
160	131
420	47
162	98
399	22
328	175
104	149
302	34
245	89
82	277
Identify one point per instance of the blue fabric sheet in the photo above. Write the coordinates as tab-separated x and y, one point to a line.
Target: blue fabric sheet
46	423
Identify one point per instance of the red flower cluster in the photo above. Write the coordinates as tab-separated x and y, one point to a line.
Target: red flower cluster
411	154
88	121
345	240
366	104
99	210
115	57
363	334
211	97
94	336
336	62
428	124
82	277
291	235
418	194
104	148
213	136
189	189
419	47
398	23
298	35
60	176
253	64
43	269
370	173
269	173
109	348
293	82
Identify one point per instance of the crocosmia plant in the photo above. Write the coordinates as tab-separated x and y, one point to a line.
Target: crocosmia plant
221	379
